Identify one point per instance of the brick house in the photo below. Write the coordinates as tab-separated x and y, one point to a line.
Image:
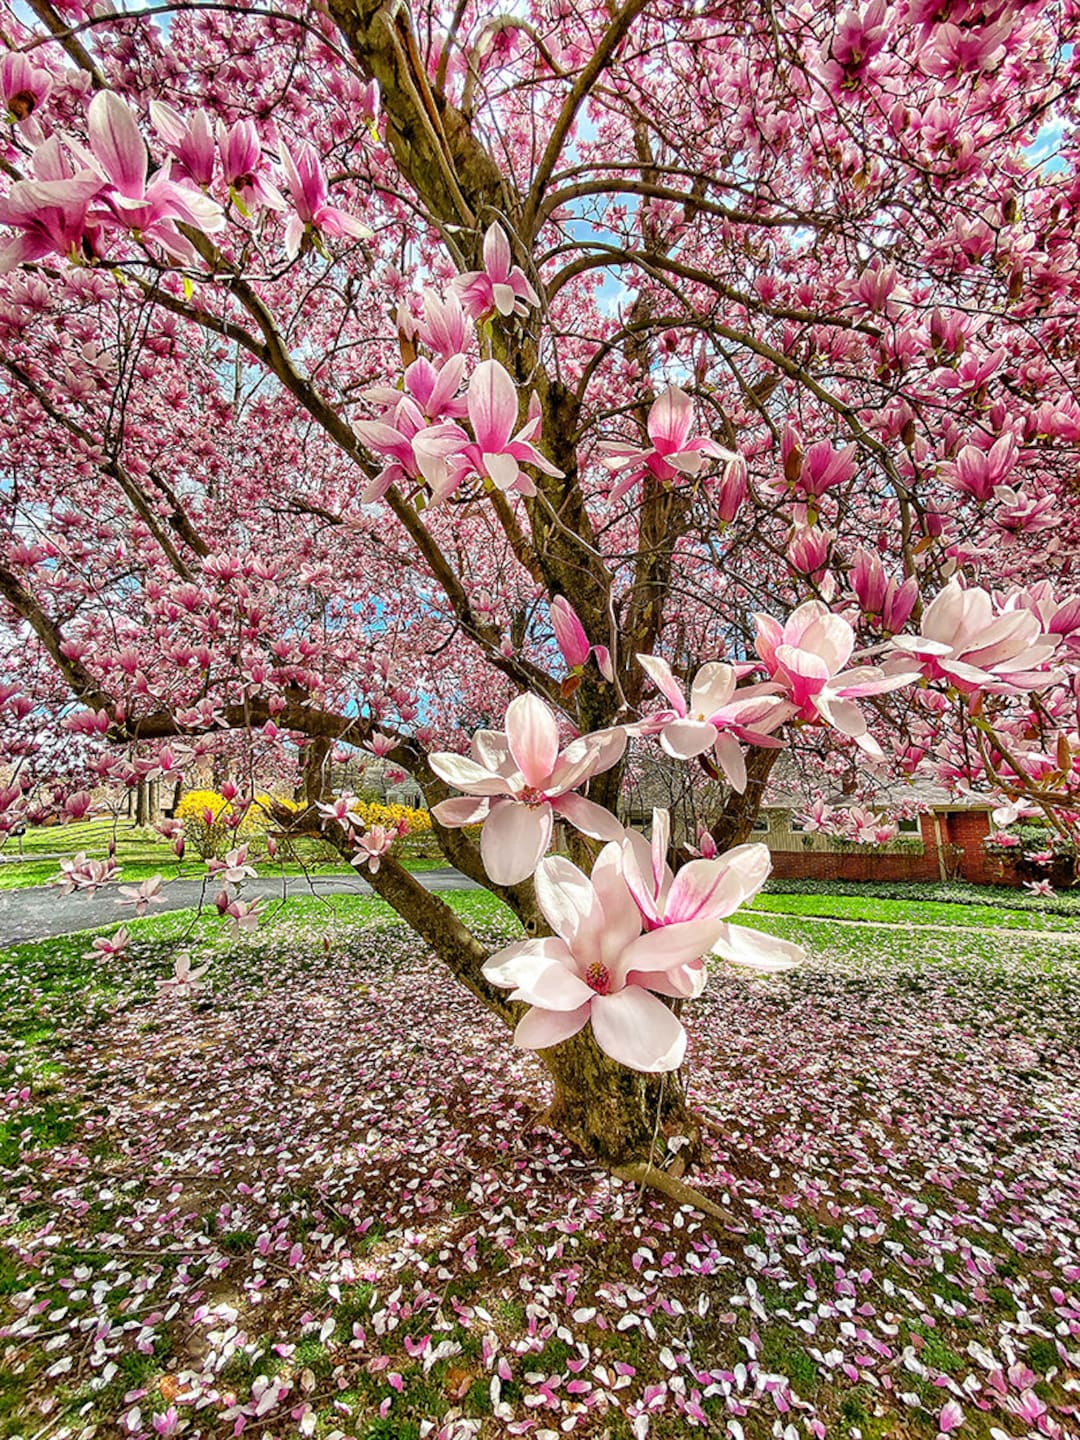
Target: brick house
945	842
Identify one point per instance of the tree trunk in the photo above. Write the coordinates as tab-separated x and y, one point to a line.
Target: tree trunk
616	1115
141	804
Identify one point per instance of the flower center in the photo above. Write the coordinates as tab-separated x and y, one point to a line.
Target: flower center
531	796
598	978
22	105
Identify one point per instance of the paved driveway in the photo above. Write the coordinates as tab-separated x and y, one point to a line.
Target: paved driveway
36	913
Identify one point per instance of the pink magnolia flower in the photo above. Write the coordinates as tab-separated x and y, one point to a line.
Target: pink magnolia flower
500	286
372	846
341	810
151	209
496	453
599	968
807	655
51	214
978	472
144	895
243	916
234	868
24	86
79	873
521	780
879	596
820	818
184	981
245	168
108	945
416	451
190	141
79	805
674	451
1039	887
443	328
573	642
708	888
964	642
717	718
433	390
314	217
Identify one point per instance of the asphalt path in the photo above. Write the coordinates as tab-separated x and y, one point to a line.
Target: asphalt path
38	912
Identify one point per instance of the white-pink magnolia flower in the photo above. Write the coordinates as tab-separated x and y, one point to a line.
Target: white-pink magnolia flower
103	946
184	981
674	451
372	846
717	718
141	896
79	873
314	216
807	655
521	780
233	868
501	286
598	967
703	889
966	642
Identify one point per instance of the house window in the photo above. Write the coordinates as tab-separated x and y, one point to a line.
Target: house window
761	825
797	826
910	827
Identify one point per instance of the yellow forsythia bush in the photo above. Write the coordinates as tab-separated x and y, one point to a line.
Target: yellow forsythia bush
205	814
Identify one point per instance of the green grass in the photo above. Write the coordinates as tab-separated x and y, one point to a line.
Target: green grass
141	853
878	910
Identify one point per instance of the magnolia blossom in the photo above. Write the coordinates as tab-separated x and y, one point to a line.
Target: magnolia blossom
372	846
51	214
342	810
599	968
107	946
496	453
184	981
314	216
521	780
807	655
711	887
416	450
233	869
500	286
573	642
79	873
1040	887
717	717
964	641
24	86
674	451
144	895
190	141
245	167
149	209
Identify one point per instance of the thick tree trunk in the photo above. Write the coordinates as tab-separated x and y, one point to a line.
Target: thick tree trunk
616	1115
142	804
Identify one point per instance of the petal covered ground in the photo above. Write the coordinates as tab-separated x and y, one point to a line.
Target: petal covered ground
313	1202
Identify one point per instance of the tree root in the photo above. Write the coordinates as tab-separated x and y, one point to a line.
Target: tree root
640	1173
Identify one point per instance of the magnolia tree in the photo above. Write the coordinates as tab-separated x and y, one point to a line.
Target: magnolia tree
511	393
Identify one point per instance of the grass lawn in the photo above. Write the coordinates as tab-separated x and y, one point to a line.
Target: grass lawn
140	853
320	1200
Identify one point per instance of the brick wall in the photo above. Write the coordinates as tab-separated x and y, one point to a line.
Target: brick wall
962	828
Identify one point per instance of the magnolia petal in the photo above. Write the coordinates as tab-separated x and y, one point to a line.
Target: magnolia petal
756	950
465	774
463	810
638	1030
659	672
539	1028
539	972
533	736
671	946
588	817
683	739
513	841
732	762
